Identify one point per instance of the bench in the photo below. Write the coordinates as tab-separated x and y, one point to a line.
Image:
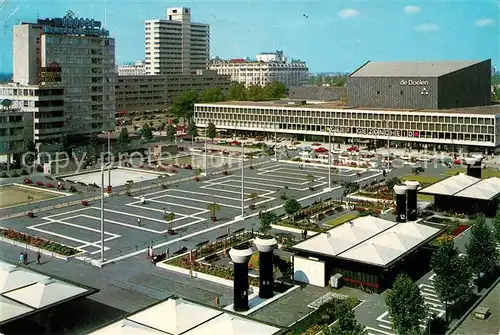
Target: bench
481	313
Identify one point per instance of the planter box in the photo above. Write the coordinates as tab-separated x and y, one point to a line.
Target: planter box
43	251
293	230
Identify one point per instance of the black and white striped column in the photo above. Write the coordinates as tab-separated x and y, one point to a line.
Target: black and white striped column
400	191
240	258
412	187
266	270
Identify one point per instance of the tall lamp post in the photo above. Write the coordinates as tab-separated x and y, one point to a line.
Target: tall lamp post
242	180
275	137
109	158
102	212
206	149
329	157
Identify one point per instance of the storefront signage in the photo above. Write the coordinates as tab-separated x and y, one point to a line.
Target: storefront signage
413	82
73	26
376	132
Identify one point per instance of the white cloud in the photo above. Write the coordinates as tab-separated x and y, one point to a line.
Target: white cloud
426	27
485	22
348	12
411	9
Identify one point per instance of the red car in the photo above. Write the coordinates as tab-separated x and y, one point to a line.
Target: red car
353	148
458	162
320	150
235	143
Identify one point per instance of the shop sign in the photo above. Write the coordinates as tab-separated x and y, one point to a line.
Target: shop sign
413	82
376	132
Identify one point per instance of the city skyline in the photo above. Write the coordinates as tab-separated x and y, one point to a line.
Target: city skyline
346	34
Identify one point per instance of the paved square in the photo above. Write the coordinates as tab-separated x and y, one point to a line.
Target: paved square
131	225
119	176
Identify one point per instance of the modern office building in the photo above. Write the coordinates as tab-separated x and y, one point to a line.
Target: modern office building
176	45
43	106
429	85
134	69
267	68
156	92
403	122
15	128
74	54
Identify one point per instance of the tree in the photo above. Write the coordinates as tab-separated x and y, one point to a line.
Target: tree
123	138
406	306
453	276
65	144
346	324
146	132
213	208
211	131
94	142
212	94
417	170
237	91
496	226
481	249
310	180
183	105
171	132
291	206
391	183
350	187
266	220
253	197
192	129
255	93
274	90
169	218
32	153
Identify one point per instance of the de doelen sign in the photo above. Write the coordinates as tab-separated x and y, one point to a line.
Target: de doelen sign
413	82
376	132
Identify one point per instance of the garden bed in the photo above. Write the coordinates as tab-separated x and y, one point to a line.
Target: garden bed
38	244
322	317
342	219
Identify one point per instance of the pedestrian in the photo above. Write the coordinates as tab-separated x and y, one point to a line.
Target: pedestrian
139	222
164	212
143	200
167	253
25	258
148	251
21	258
38	258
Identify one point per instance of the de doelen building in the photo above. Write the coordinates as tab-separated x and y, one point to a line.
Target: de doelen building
436	105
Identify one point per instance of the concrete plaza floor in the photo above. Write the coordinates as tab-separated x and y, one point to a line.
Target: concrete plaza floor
119	176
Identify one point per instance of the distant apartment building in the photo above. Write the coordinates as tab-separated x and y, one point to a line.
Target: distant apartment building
15	127
175	45
135	69
266	68
77	56
156	92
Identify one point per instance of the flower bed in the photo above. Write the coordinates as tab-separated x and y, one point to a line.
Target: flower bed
38	242
40	183
460	229
371	205
215	247
28	181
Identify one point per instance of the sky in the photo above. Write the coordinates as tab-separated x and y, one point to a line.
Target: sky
331	36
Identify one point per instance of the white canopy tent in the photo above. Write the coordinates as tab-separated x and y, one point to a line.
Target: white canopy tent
484	189
232	325
451	185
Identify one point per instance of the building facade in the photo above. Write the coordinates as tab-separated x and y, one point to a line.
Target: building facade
136	69
43	106
176	45
156	92
268	67
77	55
461	129
15	127
429	85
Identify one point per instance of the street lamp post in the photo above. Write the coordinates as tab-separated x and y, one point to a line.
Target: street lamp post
275	138
242	180
102	213
206	149
330	157
109	157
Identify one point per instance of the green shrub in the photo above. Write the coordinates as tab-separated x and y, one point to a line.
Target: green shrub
24	172
3	174
14	174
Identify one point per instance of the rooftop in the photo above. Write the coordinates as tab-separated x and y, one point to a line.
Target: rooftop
411	69
25	292
465	186
337	105
176	316
370	240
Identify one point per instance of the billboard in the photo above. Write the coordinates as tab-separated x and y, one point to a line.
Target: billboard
73	26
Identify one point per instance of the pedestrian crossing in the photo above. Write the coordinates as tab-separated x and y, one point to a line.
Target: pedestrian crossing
431	300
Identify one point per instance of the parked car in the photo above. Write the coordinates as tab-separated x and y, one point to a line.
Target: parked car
221	142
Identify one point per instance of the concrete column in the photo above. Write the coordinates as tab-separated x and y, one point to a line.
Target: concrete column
412	187
400	191
240	258
266	280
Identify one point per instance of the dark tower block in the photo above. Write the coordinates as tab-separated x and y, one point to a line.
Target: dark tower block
240	258
474	166
400	191
266	280
412	187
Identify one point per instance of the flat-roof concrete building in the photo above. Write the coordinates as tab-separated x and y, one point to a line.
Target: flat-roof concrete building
429	85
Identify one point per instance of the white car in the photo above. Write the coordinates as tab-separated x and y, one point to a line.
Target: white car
405	157
424	159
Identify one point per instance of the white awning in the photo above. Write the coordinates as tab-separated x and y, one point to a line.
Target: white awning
175	316
10	309
127	327
227	324
13	277
451	185
345	236
485	189
381	242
